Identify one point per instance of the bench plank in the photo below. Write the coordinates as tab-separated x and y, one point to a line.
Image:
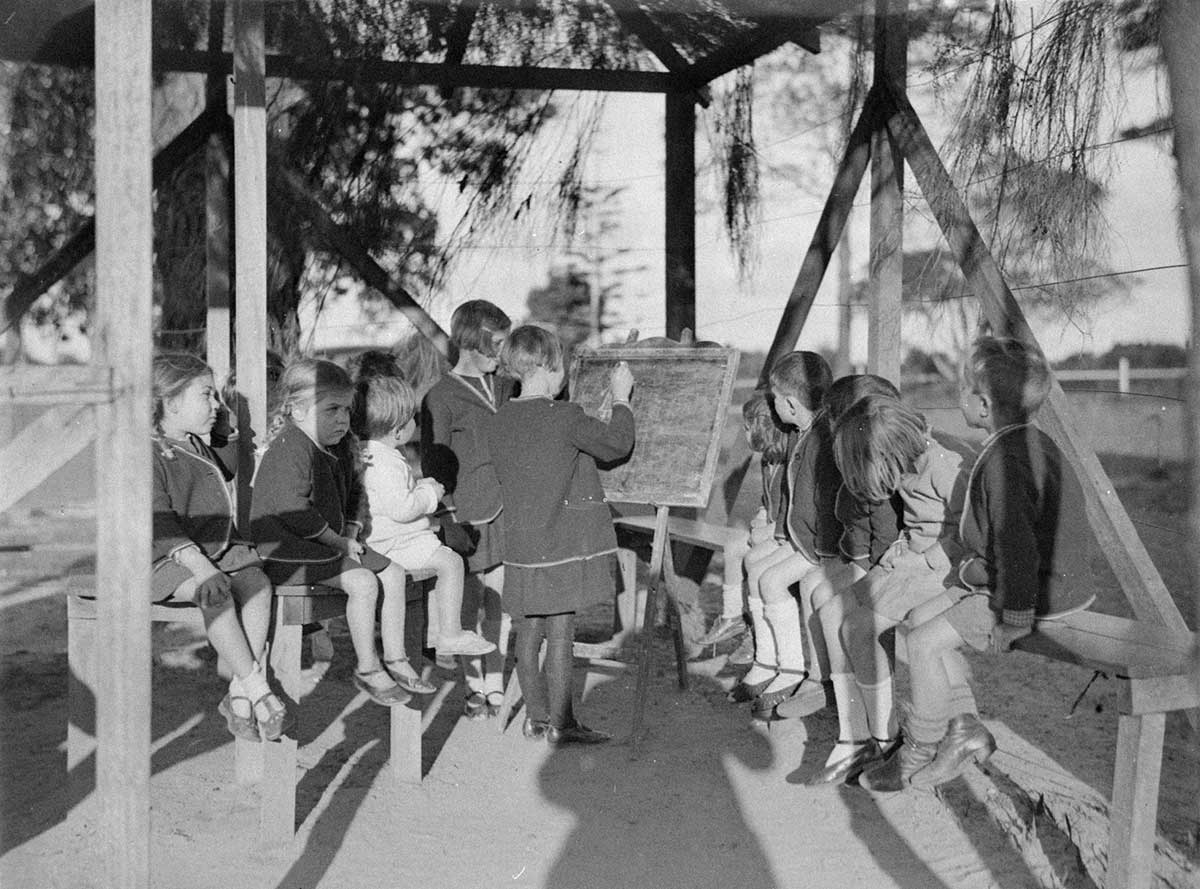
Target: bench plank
1131	648
697	533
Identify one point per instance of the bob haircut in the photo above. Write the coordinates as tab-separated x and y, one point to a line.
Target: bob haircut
765	434
473	325
849	389
528	348
875	443
1012	373
802	375
172	373
381	404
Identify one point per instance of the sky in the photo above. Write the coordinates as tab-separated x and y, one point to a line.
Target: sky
743	312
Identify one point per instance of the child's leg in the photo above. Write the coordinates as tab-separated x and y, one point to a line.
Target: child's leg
871	665
252	590
737	547
766	659
853	726
531	630
392	613
362	591
495	626
782	614
560	667
452	638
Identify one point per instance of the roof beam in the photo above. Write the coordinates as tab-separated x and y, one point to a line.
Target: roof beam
765	38
639	23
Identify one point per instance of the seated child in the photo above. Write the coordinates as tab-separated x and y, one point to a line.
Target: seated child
199	556
1024	526
768	439
399	524
304	516
799	381
557	525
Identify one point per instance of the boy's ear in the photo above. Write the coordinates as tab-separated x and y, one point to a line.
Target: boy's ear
985	404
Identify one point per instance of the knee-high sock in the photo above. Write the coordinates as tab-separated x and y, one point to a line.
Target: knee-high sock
784	619
764	644
853	724
731	600
880	708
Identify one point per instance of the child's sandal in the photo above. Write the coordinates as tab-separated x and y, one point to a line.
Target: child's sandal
278	720
387	695
475	707
243	727
410	683
495	700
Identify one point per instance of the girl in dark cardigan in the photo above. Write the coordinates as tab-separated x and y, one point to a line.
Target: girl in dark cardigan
559	539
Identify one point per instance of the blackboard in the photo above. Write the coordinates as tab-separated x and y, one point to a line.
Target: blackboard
680	397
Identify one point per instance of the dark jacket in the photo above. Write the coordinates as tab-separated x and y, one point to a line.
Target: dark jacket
812	484
1025	527
191	499
868	528
299	491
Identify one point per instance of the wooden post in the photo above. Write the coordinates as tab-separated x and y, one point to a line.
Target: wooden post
217	228
124	300
1134	811
886	279
680	221
250	229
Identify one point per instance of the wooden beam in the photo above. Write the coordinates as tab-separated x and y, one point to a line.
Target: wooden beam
349	248
764	39
124	309
42	448
217	228
885	281
250	233
680	223
57	384
1134	812
458	34
80	245
825	238
1115	533
635	20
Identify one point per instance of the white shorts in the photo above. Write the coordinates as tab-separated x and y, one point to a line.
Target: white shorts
413	552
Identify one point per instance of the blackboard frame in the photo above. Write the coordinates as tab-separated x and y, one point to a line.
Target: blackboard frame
629	481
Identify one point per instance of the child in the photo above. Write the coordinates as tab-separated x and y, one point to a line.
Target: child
884	447
400	507
304	515
769	440
557	524
1028	554
198	554
799	381
454	451
868	529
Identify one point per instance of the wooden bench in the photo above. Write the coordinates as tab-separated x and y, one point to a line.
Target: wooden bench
272	764
1156	672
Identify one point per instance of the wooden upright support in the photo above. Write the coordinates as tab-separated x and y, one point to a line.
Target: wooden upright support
680	214
124	300
886	279
216	205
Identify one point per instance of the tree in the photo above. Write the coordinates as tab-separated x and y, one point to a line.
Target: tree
564	305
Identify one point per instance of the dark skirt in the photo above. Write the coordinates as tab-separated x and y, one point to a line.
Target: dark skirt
571	586
168	574
489	548
312	573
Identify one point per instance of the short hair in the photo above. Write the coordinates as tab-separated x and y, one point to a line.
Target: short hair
846	390
530	347
802	375
375	363
1013	373
766	435
876	442
172	372
473	324
381	404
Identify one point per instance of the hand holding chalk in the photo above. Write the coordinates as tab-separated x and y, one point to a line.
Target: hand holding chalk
621	382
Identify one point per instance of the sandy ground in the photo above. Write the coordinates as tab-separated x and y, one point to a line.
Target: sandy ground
706	802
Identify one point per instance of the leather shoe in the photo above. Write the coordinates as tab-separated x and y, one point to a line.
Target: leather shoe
812	697
864	754
575	734
892	774
966	738
534	730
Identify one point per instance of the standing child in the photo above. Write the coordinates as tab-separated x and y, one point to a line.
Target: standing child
400	507
454	451
198	554
885	447
799	381
557	524
305	516
1024	527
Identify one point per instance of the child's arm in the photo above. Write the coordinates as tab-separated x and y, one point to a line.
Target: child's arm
612	440
393	493
1011	513
171	540
283	486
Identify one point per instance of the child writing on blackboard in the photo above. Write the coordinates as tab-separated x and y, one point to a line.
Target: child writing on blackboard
767	438
558	529
399	526
799	381
454	452
305	516
198	554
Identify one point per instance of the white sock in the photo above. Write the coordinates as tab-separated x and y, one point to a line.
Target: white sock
880	709
784	618
731	601
764	644
852	715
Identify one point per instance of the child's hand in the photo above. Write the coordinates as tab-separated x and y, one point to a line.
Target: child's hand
893	554
439	490
621	381
213	590
1004	635
353	549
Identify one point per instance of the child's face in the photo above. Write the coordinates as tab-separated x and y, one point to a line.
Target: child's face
326	420
193	411
976	408
488	363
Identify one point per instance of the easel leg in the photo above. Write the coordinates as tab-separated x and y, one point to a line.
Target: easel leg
645	650
675	616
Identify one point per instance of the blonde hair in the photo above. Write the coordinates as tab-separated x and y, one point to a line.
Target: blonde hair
802	375
766	435
530	347
304	380
846	390
1014	374
381	404
875	443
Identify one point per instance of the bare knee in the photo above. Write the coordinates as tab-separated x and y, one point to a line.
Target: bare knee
251	586
359	583
448	565
392	579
